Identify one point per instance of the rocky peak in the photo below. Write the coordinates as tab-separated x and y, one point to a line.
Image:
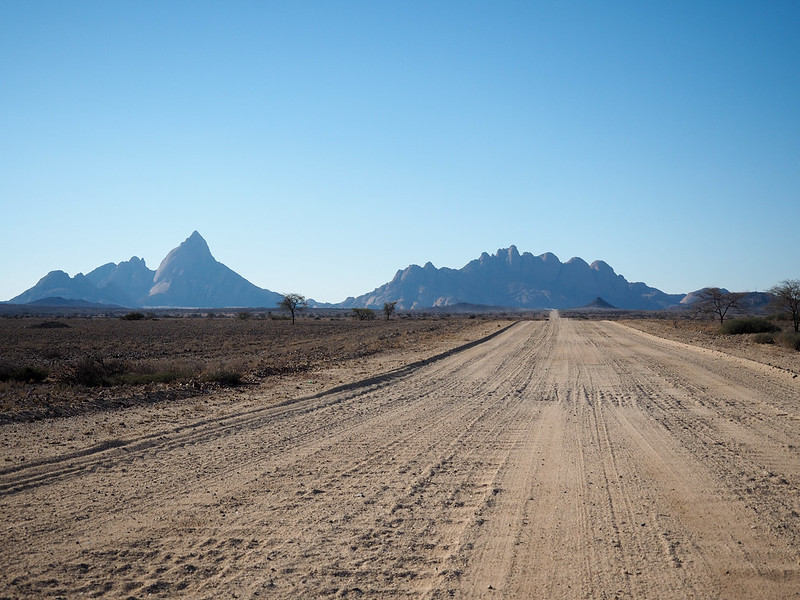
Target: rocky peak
193	253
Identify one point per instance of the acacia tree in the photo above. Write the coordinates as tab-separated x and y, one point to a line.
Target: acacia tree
717	302
787	299
363	314
389	308
294	303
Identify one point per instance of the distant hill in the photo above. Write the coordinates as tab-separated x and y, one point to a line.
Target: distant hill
599	303
70	303
511	279
189	276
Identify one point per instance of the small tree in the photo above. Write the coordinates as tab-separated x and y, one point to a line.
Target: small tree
389	308
787	299
716	302
294	303
363	314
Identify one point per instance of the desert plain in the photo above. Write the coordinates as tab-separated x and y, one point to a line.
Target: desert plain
434	457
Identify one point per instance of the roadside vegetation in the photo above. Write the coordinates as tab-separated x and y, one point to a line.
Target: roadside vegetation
781	326
99	371
789	339
762	331
749	325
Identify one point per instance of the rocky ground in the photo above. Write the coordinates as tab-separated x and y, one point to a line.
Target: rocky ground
706	335
198	351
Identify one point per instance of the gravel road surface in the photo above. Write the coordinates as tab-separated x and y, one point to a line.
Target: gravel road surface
557	459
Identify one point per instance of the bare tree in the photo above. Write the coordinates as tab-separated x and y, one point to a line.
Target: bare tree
787	299
294	303
716	302
389	308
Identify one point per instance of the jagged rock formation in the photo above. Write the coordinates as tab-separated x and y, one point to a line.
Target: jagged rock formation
511	279
129	281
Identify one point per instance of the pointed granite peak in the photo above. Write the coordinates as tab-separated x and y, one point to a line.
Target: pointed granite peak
192	254
196	241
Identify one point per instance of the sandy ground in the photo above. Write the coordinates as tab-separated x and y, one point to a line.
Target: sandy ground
560	459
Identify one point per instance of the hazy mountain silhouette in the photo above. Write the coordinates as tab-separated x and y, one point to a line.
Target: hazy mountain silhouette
58	284
511	279
58	302
128	281
189	276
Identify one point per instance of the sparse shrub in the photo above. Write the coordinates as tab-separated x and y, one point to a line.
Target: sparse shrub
790	339
145	378
25	373
764	338
52	353
93	371
168	372
229	377
32	373
49	325
363	314
243	315
133	316
748	325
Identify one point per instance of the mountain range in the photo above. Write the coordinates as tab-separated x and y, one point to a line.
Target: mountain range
189	276
508	278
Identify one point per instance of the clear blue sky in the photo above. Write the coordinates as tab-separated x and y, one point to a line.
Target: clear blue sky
320	146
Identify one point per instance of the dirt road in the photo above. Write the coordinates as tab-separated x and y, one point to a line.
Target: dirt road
561	459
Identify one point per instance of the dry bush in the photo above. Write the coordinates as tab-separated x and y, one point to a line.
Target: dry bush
23	373
790	339
92	371
748	325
